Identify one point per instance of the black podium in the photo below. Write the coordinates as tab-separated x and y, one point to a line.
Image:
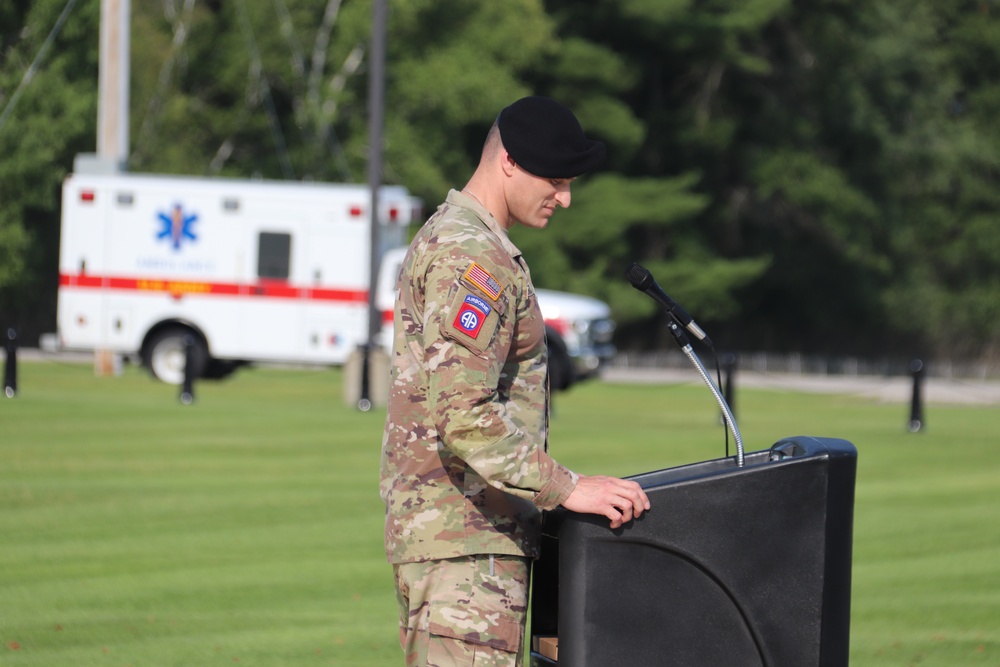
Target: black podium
732	566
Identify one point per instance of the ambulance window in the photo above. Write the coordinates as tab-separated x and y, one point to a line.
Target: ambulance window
274	255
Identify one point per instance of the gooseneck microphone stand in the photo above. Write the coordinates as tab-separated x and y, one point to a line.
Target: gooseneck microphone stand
641	279
685	345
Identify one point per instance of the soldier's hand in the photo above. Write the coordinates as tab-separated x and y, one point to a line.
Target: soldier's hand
618	499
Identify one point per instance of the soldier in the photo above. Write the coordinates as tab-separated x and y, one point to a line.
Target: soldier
464	471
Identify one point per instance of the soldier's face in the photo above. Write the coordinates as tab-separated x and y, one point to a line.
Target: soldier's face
534	199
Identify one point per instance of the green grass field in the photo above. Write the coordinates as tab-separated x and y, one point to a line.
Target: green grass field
246	528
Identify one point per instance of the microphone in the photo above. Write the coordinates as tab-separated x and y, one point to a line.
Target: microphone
641	279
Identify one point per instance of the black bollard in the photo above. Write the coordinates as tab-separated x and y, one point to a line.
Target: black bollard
365	402
10	367
916	404
729	364
187	388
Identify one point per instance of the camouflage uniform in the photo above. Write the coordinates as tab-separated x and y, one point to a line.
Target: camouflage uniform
464	469
463	611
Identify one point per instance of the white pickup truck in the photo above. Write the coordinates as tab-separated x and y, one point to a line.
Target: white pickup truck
579	329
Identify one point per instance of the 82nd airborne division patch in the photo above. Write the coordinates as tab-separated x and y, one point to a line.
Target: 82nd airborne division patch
471	316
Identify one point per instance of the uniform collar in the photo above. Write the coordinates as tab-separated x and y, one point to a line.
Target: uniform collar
462	200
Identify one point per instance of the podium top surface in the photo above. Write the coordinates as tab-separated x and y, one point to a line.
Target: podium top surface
786	451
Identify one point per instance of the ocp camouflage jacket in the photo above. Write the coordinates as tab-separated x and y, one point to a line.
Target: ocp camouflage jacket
464	466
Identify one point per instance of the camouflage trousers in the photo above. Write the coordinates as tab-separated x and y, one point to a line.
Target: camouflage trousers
463	612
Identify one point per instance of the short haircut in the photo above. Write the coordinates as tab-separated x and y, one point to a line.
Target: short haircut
493	144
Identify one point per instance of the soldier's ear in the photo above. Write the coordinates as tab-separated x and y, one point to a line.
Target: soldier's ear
507	163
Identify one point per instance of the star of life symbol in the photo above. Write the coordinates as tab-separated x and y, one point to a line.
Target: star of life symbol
177	226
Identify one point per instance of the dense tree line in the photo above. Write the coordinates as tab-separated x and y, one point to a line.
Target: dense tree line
811	175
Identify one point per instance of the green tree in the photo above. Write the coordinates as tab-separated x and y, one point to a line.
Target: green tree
800	175
279	89
248	89
847	156
947	240
634	67
881	172
54	118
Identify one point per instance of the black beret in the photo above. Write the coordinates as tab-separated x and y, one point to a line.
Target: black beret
545	139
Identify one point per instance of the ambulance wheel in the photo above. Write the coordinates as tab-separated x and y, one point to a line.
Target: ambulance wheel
165	355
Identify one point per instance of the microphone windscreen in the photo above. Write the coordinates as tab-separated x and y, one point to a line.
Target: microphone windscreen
639	276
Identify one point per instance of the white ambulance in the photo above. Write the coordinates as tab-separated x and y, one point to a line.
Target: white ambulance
250	271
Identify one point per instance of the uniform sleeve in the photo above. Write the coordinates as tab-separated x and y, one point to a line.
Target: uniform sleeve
465	350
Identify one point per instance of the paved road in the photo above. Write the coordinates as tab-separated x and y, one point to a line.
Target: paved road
881	389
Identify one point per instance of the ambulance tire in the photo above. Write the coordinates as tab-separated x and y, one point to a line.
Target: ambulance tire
560	364
165	356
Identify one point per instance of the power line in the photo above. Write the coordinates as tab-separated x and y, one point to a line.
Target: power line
166	71
272	113
288	30
30	73
311	81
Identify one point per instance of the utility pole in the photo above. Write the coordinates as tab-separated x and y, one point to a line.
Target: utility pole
376	104
112	113
113	83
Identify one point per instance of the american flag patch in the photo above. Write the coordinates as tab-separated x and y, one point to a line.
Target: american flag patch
481	278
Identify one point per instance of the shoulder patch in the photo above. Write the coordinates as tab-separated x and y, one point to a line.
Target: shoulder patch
482	279
475	320
471	315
